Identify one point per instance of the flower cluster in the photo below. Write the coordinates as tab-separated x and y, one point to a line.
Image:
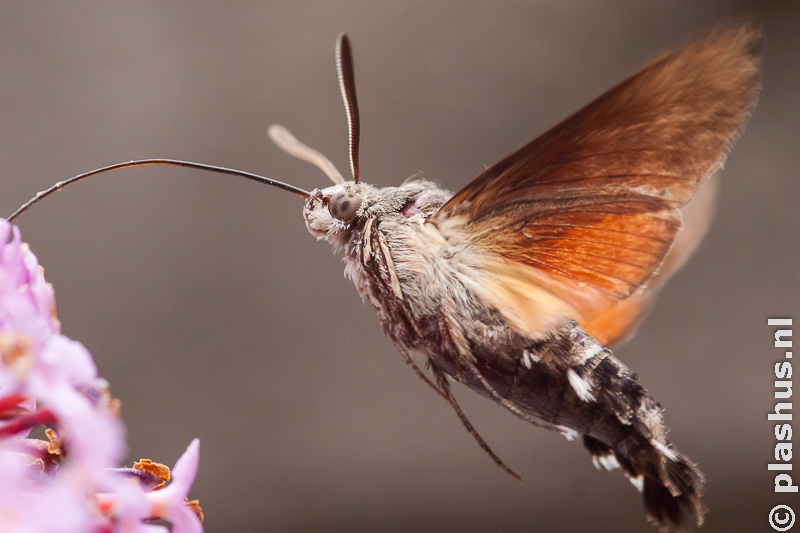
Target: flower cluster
71	481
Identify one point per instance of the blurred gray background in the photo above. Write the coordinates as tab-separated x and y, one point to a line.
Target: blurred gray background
214	314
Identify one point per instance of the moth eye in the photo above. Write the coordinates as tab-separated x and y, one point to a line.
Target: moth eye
344	205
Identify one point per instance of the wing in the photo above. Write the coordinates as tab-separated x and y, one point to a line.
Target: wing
588	211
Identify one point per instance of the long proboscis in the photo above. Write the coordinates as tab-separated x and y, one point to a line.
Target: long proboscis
41	195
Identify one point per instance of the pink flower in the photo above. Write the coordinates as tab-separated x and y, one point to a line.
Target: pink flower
131	504
49	379
170	502
28	303
42	504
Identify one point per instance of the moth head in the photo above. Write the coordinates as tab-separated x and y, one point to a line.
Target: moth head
339	212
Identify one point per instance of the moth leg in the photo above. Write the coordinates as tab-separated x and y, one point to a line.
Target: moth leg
441	378
366	243
410	362
394	283
476	373
447	328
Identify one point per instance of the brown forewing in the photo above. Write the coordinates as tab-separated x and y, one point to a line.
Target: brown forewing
595	201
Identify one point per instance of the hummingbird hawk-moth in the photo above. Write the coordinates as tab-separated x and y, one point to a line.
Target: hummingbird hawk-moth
516	284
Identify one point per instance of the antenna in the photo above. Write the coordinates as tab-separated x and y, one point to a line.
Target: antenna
347	85
289	144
